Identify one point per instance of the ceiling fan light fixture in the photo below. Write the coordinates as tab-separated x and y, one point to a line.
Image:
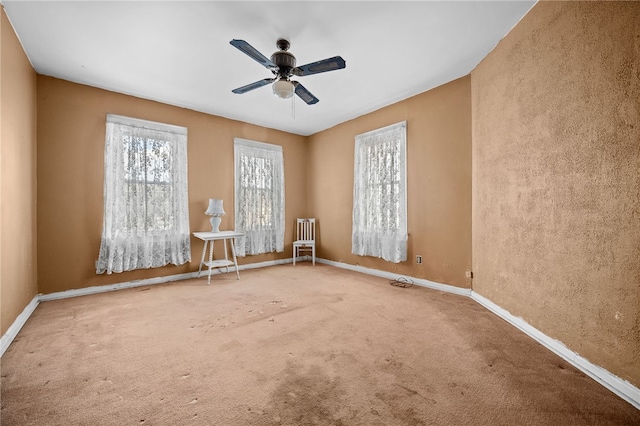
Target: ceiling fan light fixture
283	89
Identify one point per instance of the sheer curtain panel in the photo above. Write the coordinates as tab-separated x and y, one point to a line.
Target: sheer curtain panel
146	213
259	197
379	194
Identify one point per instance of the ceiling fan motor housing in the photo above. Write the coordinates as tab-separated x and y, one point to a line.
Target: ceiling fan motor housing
285	61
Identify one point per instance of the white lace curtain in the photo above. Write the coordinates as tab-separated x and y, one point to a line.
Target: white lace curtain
146	216
379	194
259	197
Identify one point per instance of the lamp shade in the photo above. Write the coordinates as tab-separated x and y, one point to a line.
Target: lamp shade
215	208
283	89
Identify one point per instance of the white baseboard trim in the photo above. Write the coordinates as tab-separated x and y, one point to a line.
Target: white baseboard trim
302	258
622	388
17	325
113	287
264	264
392	276
151	281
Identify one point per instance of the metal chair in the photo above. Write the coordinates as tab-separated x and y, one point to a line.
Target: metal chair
305	238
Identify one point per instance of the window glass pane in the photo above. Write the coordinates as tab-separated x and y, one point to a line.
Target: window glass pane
148	168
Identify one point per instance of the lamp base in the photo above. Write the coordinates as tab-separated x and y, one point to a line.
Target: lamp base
215	223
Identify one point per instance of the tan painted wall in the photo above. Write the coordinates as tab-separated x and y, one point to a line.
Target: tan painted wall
18	258
556	172
438	180
71	128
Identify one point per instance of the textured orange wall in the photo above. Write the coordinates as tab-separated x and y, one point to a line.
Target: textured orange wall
556	174
438	181
17	177
71	129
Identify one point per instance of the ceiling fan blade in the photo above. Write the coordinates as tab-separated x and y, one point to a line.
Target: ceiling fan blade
304	94
251	51
252	86
330	64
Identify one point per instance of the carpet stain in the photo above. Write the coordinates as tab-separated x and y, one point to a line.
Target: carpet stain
403	408
416	393
308	398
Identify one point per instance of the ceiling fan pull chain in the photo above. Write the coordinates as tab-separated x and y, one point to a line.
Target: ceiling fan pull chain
293	107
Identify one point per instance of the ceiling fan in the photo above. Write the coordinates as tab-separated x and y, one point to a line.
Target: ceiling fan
283	66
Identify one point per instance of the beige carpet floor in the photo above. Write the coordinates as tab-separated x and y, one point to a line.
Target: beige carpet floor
289	345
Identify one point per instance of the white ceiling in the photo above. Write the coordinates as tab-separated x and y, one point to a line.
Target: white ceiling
178	52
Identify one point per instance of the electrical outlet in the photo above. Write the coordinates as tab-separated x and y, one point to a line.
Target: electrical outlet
418	259
469	274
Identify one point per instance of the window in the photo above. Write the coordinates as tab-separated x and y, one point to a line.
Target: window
379	194
146	217
259	197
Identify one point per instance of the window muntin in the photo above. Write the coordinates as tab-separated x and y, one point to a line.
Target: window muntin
148	174
256	174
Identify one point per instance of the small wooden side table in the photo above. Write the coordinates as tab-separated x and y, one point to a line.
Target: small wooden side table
209	238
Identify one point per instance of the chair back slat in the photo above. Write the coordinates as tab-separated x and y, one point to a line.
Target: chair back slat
306	229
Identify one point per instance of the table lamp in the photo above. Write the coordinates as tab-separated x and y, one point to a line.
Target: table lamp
215	210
